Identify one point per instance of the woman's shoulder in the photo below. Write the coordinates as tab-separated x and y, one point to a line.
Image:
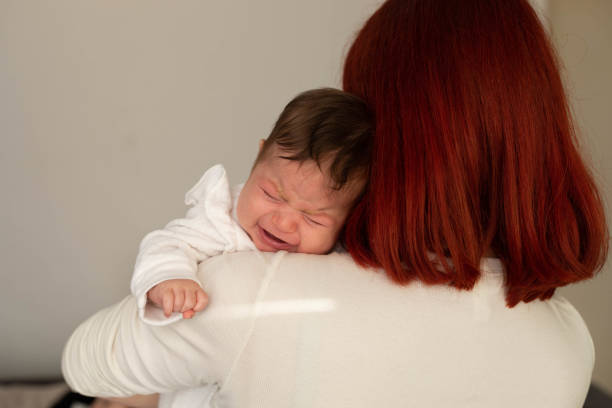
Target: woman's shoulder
337	275
339	279
332	318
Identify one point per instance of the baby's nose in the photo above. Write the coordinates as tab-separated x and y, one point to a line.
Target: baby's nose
286	221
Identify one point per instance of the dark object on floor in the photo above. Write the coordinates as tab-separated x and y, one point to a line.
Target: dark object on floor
71	397
597	398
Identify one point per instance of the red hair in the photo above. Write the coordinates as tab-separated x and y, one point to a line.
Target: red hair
474	150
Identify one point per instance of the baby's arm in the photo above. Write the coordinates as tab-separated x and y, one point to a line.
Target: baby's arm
175	251
171	254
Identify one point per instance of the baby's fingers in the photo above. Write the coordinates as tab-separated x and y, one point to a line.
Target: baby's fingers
168	303
190	300
201	301
179	299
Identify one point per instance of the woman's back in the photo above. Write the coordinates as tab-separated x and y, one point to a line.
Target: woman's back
330	334
295	330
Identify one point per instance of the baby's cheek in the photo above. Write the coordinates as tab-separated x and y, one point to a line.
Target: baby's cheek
247	211
240	211
324	242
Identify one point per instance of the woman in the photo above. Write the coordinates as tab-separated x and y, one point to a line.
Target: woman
476	188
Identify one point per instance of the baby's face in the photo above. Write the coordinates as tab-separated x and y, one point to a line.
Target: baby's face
286	205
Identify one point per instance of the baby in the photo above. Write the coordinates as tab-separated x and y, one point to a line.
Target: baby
308	174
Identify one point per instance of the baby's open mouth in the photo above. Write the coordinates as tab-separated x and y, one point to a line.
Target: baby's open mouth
271	242
274	237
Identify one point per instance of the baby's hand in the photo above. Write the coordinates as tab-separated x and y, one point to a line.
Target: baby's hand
178	295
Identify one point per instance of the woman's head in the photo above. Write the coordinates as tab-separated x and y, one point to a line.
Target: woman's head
474	149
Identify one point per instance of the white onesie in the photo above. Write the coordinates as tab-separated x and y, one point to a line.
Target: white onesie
209	228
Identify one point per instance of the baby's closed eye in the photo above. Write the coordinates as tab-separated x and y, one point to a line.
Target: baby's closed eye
269	195
309	219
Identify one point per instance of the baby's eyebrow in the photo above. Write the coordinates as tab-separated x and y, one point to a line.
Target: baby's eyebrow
279	189
317	211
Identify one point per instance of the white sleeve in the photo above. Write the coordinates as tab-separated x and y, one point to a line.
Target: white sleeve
175	251
115	354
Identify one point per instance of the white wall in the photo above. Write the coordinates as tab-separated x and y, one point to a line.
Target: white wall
111	110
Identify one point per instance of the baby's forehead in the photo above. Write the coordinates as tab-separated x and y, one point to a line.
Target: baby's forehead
308	181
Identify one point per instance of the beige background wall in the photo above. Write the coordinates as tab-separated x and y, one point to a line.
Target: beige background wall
110	111
582	31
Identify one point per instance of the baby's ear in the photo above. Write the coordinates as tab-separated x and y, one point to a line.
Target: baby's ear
261	143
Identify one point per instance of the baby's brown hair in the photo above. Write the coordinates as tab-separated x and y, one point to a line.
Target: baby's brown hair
331	127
